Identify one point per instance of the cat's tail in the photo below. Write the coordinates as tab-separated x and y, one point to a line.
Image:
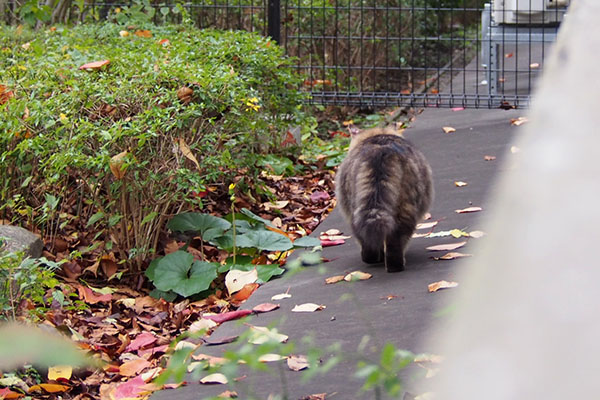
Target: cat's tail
373	225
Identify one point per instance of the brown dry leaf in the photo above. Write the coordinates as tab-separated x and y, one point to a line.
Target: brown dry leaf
446	247
434	287
308	307
116	164
265	307
334	279
143	33
357	276
452	255
133	367
60	372
235	279
228	394
108	265
460	183
426	225
468	210
518	121
297	363
187	152
95	65
476	234
317	396
245	292
448	129
184	94
489	158
215	379
276	205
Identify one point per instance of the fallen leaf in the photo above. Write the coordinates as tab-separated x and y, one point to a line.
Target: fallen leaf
468	210
317	396
123	33
60	372
328	243
143	33
217	378
297	363
431	358
275	205
228	316
95	65
457	233
7	394
164	42
448	129
331	232
281	296
49	388
244	293
458	109
434	287
514	149
235	279
319	196
228	394
116	164
308	307
212	360
184	344
133	367
261	334
184	94
265	307
452	256
477	234
187	152
508	55
142	340
534	65
270	357
153	350
92	297
220	341
357	276
334	279
426	225
489	158
446	247
202	324
518	121
460	183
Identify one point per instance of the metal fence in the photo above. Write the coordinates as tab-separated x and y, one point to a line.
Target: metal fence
377	53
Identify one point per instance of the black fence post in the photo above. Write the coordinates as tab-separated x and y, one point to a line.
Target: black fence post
274	20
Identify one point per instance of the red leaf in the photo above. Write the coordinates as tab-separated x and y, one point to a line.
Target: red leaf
318	196
142	340
130	389
95	64
90	297
153	350
6	393
327	242
228	316
265	307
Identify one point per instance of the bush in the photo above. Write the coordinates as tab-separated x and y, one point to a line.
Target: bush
125	145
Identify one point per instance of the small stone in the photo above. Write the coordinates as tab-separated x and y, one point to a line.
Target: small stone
14	238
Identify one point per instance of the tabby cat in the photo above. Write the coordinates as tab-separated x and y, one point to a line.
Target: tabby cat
384	188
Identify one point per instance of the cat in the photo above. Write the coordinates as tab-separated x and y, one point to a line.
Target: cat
384	188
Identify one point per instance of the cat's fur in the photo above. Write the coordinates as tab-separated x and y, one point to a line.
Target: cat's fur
384	188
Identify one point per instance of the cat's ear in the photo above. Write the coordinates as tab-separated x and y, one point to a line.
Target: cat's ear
353	129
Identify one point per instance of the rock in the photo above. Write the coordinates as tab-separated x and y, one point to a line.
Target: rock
14	238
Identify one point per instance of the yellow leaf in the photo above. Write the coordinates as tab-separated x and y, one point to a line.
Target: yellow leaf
49	388
116	165
434	287
187	152
60	371
460	183
143	33
357	276
214	378
458	233
334	279
123	33
448	129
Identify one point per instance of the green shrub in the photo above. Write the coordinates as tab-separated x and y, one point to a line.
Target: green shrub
121	146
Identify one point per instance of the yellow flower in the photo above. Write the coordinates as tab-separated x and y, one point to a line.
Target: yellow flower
63	118
22	67
252	104
117	10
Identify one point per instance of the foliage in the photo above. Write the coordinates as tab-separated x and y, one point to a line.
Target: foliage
118	146
24	279
247	235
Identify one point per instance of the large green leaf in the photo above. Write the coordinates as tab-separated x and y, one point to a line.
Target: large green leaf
180	273
307	241
207	225
264	240
265	272
255	217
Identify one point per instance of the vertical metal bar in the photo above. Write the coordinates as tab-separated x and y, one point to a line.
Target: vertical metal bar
274	20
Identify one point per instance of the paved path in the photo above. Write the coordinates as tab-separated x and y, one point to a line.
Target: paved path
394	308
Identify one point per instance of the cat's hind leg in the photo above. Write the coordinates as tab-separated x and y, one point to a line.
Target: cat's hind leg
395	246
371	254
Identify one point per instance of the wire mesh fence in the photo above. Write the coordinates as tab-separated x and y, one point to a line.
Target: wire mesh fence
373	53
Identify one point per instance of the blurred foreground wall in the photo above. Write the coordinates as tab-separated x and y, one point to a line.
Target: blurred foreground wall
527	323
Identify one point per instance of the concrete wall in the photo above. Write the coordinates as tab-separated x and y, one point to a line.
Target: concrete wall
527	325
